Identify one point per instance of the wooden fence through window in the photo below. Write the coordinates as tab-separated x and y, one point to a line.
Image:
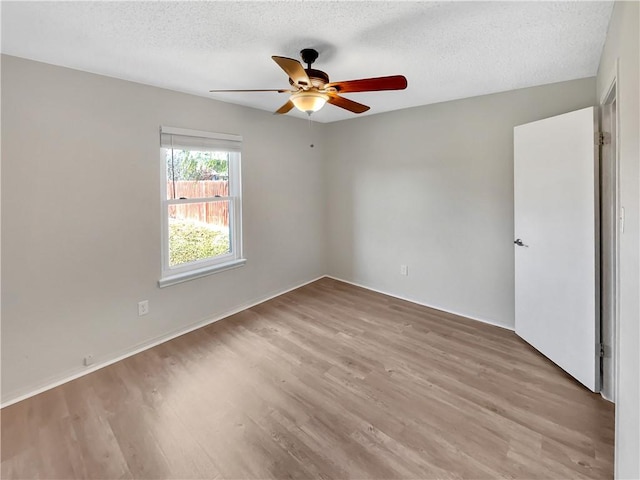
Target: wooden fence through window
213	213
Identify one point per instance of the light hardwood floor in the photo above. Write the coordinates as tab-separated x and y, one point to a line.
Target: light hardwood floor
327	381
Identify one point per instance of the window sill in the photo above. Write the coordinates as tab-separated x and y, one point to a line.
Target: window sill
200	272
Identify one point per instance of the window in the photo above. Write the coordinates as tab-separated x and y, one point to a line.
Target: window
201	204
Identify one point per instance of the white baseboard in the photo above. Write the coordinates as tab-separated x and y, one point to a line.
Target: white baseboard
117	356
435	307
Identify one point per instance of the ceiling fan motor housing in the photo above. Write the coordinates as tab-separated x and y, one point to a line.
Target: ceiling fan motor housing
318	78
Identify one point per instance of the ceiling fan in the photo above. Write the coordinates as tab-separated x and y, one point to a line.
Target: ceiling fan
311	88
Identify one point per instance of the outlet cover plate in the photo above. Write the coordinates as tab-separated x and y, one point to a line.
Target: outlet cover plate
143	307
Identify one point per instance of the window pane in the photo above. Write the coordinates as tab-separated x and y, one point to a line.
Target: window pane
198	231
195	174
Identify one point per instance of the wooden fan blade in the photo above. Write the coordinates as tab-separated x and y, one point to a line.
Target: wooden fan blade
294	69
347	104
266	90
394	82
285	108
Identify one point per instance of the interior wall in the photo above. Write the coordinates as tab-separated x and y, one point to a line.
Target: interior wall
432	188
622	45
81	217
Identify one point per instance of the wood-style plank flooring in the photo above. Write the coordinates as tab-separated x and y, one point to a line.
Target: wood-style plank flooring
327	381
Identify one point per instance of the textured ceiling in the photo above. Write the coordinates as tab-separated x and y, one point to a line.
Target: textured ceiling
447	50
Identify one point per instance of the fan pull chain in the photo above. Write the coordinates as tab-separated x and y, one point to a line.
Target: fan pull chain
310	134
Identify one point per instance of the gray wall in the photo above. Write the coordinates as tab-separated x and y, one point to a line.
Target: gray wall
81	217
623	44
432	187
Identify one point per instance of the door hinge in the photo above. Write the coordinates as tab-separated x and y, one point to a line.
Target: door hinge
602	138
601	350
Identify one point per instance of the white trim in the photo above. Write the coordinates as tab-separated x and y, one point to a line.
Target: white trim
613	76
200	272
483	320
150	344
207	321
607	99
200	133
614	83
616	334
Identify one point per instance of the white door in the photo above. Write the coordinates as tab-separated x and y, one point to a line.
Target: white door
556	289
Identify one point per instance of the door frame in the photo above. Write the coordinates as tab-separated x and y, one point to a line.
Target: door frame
608	98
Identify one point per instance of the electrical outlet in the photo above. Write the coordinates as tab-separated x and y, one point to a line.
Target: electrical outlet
88	360
404	270
143	307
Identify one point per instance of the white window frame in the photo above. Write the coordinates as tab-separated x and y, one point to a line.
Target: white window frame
185	139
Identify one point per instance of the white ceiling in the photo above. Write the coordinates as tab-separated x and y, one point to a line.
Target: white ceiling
447	50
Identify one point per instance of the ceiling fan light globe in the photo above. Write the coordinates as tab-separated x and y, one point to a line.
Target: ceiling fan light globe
309	102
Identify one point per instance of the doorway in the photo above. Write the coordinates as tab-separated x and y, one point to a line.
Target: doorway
609	228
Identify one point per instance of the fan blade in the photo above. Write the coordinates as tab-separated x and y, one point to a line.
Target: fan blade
267	90
347	104
285	108
394	82
294	69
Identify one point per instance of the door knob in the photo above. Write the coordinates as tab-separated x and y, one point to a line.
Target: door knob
519	243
